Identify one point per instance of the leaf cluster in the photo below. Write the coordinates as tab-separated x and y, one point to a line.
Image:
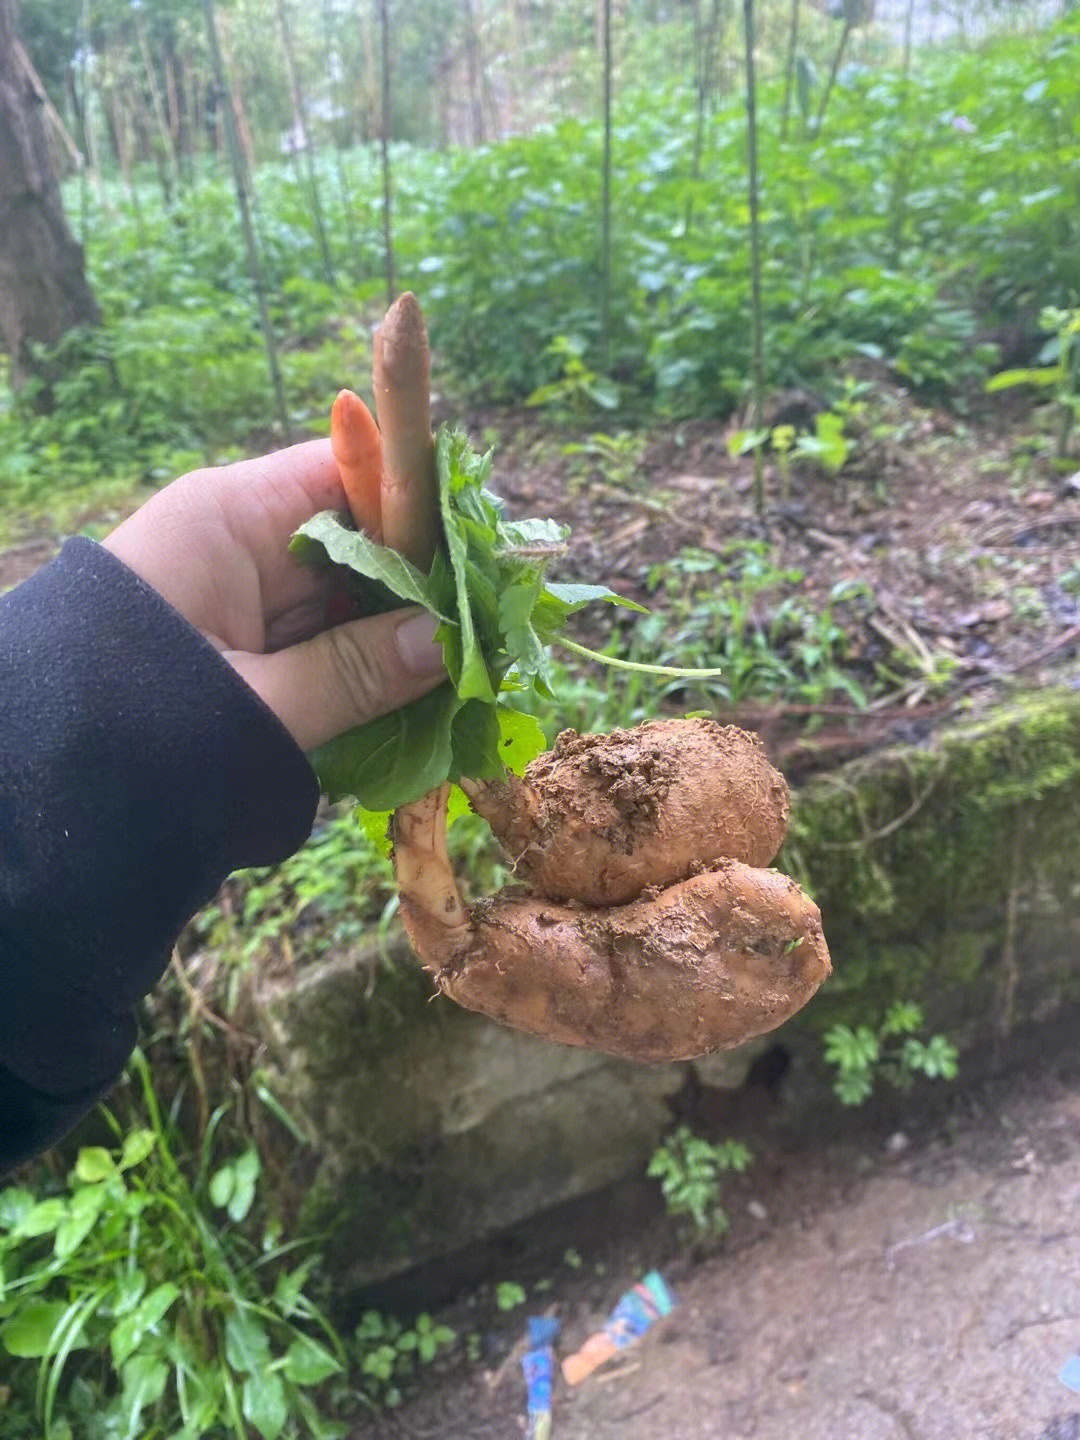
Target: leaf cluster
129	1309
891	1051
689	1169
497	615
390	1352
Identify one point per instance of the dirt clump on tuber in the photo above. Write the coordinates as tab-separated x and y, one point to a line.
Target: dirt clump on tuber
648	926
600	818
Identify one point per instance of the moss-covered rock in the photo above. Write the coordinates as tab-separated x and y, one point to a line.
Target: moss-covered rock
937	868
947	873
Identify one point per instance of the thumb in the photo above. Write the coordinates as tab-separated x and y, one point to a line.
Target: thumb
346	675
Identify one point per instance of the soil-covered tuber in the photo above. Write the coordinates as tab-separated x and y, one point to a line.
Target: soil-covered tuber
600	818
648	927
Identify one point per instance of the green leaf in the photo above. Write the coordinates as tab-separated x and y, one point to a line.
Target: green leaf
394	759
86	1206
1006	379
521	738
264	1403
375	824
345	546
127	1293
245	1172
496	612
221	1186
15	1204
144	1378
94	1164
308	1363
129	1333
138	1145
28	1333
45	1217
247	1347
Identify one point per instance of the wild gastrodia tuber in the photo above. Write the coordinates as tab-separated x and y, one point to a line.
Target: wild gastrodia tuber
649	927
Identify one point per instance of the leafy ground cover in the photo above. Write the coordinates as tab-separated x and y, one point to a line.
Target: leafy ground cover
926	224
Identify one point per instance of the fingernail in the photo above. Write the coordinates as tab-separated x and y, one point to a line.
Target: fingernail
416	644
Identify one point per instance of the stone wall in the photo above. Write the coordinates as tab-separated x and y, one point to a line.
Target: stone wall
948	873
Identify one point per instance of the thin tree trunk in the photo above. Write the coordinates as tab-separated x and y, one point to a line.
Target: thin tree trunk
707	44
303	135
168	157
789	68
372	126
472	58
176	99
254	262
123	127
339	161
898	201
89	148
605	204
850	9
757	364
235	96
384	138
43	287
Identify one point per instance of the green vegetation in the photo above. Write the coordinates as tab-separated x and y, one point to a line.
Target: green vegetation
150	1294
923	217
390	1353
936	211
131	1308
890	1051
690	1170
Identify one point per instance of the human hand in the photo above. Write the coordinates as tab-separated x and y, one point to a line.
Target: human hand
214	544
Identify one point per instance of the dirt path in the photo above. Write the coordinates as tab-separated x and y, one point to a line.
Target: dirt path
925	1291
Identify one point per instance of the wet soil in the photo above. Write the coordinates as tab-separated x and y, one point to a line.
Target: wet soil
916	1283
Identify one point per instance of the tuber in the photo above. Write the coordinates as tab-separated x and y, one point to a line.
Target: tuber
648	926
603	817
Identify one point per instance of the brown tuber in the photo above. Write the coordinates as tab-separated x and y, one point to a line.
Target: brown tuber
600	818
650	927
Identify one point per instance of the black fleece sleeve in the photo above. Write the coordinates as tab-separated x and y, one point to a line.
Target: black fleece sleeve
136	771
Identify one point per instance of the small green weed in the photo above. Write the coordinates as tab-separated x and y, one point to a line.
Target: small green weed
577	389
1059	371
616	458
509	1295
890	1051
689	1169
390	1353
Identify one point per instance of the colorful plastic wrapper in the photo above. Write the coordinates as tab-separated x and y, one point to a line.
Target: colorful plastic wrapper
538	1364
636	1311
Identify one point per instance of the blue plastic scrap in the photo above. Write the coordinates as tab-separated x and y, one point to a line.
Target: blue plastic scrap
538	1365
1070	1373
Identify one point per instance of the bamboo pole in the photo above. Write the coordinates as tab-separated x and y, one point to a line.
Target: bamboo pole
254	262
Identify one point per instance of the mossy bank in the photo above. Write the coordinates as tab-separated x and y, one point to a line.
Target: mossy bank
948	873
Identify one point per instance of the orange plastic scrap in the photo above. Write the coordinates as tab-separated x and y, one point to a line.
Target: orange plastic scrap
636	1312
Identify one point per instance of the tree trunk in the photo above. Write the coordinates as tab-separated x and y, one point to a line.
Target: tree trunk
43	287
302	132
472	57
384	145
789	68
240	181
605	198
757	363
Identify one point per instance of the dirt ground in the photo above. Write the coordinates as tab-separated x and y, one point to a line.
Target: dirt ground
898	1285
